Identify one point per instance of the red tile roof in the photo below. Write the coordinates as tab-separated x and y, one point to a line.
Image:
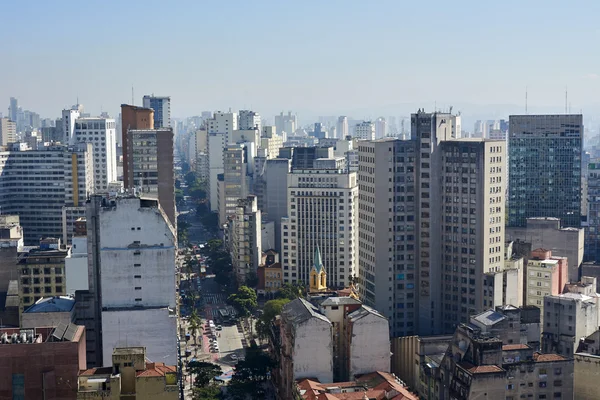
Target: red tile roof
96	371
538	357
519	346
480	369
156	369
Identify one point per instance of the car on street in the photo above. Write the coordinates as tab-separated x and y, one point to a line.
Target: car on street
219	328
233	356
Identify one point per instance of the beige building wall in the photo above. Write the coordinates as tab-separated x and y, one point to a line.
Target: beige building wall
587	376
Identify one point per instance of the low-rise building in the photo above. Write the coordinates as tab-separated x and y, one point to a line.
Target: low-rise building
587	367
545	275
373	385
42	272
49	311
569	317
41	363
131	377
269	273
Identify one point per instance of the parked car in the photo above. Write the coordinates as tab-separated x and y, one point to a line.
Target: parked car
219	327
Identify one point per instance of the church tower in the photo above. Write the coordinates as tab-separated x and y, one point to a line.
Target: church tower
318	276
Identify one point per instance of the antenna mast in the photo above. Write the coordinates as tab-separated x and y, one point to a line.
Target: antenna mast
525	99
132	101
566	99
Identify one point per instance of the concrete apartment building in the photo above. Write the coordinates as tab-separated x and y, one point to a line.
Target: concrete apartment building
132	118
131	376
101	133
131	297
216	144
322	212
342	127
545	275
41	363
592	230
286	124
68	122
42	272
332	343
426	279
11	243
248	120
570	316
271	141
25	177
479	366
8	131
547	233
236	179
364	130
274	194
162	110
151	166
244	238
552	144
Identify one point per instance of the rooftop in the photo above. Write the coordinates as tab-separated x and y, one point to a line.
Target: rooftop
518	346
52	304
336	301
538	357
299	311
488	318
363	312
480	369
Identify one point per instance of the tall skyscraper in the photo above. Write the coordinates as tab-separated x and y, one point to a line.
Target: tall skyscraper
132	117
152	167
131	298
236	179
8	131
364	130
68	122
431	222
13	109
101	133
162	110
342	127
322	213
37	184
545	178
223	122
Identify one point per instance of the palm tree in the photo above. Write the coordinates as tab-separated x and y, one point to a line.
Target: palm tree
195	324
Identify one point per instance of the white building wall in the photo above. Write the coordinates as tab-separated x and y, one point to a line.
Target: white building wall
365	130
216	145
370	345
313	351
76	266
154	329
123	270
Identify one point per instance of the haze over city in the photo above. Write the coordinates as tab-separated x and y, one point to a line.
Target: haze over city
364	59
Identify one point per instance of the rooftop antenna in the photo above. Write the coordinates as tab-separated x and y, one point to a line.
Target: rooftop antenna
525	99
566	99
132	101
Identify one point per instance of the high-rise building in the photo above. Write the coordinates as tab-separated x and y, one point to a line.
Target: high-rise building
286	123
216	144
68	122
131	298
235	178
244	238
37	184
8	131
249	120
223	122
364	130
151	168
13	109
545	178
592	231
342	127
322	212
380	128
162	110
132	117
100	132
427	242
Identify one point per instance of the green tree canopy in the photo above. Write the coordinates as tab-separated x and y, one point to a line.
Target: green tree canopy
244	301
271	309
251	373
210	392
292	291
204	372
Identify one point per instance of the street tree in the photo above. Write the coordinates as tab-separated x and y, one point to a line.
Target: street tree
244	301
271	310
204	372
292	291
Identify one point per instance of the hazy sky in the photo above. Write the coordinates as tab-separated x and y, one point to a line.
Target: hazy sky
322	57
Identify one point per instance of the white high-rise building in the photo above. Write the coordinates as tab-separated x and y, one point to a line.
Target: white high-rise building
380	128
235	178
244	238
162	110
365	130
101	133
68	122
223	122
342	127
249	120
132	278
216	144
286	123
323	213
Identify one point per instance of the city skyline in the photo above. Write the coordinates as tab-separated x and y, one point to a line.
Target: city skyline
391	63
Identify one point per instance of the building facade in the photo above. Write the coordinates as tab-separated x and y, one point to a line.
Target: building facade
322	212
162	110
37	184
8	131
545	179
101	133
364	130
132	117
245	238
